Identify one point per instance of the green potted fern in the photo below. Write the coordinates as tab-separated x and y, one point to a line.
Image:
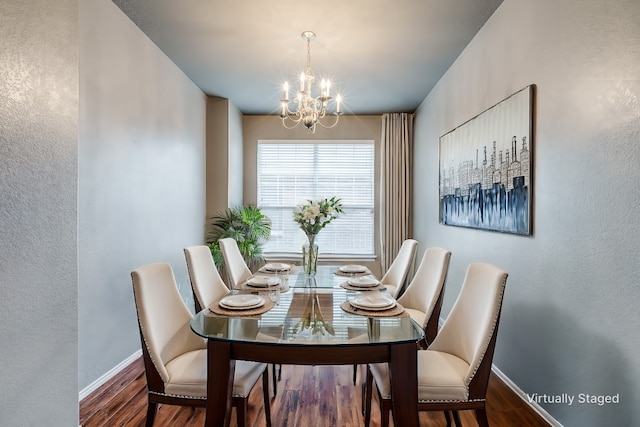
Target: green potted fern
248	226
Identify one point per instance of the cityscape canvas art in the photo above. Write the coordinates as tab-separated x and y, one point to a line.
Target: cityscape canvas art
486	166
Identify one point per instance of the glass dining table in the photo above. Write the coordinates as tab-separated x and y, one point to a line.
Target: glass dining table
309	321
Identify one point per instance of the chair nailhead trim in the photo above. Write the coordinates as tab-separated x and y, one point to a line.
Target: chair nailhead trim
452	401
493	328
142	329
178	395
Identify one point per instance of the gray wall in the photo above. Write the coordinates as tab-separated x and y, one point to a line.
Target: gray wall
38	187
570	318
141	178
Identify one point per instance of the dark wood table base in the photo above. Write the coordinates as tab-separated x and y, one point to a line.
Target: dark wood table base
402	359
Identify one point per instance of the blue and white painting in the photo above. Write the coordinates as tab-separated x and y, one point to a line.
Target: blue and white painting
485	168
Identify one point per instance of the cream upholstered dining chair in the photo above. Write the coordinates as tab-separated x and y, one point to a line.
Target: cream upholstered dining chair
453	373
236	267
423	297
423	302
395	276
207	285
175	358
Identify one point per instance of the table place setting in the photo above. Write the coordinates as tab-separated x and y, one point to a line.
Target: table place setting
264	284
262	281
276	268
352	270
242	305
362	283
373	304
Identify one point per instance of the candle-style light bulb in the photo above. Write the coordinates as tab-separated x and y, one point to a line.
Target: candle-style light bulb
338	101
286	90
302	81
323	87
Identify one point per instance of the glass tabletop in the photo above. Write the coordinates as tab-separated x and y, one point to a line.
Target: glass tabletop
307	311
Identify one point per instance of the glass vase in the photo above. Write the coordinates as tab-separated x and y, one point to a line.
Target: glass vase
310	256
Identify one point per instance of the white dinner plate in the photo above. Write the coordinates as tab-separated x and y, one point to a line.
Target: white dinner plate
352	268
241	301
262	281
277	266
375	302
363	282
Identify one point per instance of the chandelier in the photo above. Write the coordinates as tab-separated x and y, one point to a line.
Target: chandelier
308	110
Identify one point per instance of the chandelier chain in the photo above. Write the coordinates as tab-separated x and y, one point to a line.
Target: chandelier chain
308	56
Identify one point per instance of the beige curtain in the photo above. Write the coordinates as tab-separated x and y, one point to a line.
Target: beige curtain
396	181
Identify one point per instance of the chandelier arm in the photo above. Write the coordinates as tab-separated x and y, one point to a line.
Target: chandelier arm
293	115
290	112
293	118
290	127
332	125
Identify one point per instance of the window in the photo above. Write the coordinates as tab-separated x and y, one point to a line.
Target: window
291	172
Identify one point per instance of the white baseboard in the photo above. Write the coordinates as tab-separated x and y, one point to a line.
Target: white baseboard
517	390
106	377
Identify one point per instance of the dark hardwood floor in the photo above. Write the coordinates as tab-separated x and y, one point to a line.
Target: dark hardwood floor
316	396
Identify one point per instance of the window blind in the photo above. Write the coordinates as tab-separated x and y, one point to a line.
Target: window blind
292	172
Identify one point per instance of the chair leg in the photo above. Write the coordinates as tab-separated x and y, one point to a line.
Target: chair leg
279	372
265	391
363	391
456	419
385	408
152	408
481	416
355	372
447	417
368	395
241	411
275	381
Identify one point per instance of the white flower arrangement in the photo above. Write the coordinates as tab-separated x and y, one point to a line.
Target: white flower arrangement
315	215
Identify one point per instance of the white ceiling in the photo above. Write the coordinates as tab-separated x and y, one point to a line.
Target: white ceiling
381	55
